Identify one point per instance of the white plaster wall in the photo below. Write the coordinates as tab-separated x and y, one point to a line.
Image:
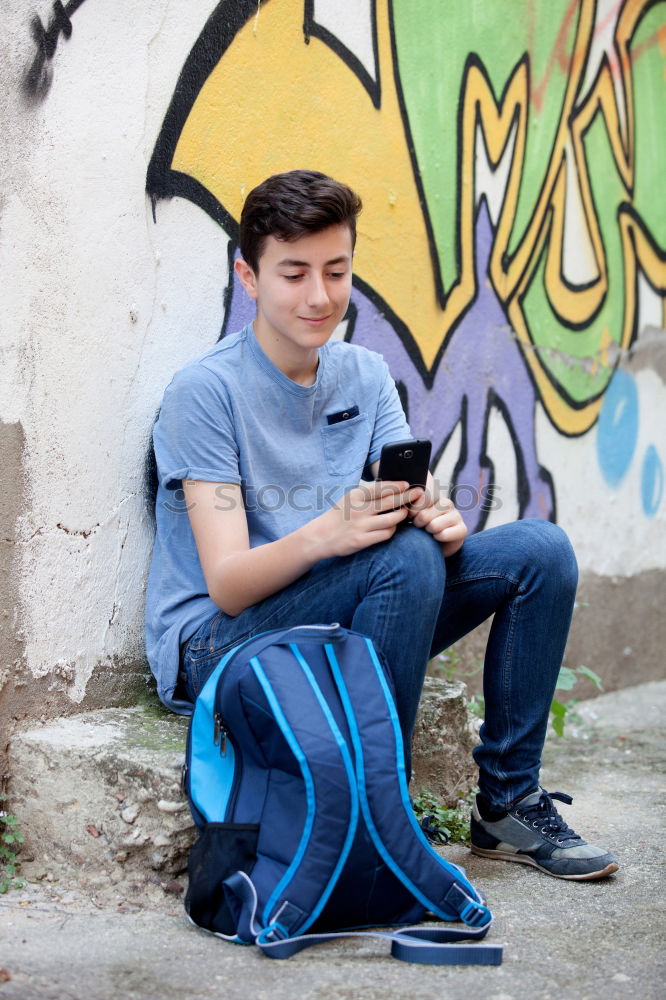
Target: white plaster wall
610	532
101	306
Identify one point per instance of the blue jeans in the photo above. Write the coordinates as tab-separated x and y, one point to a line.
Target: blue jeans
414	603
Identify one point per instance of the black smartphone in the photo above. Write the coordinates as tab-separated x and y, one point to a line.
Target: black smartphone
405	461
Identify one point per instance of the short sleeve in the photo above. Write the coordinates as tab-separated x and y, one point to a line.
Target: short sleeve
390	421
194	434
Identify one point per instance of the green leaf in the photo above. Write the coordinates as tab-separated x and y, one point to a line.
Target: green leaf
591	676
558	712
477	705
566	679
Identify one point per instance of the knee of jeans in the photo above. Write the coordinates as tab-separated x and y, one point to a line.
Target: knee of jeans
552	552
420	558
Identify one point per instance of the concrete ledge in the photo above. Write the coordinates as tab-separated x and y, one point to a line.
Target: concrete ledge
102	789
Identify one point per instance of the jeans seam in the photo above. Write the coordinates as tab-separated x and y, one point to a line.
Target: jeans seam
499	773
514	615
475	577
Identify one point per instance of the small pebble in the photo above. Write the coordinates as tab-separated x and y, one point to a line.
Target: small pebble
173	886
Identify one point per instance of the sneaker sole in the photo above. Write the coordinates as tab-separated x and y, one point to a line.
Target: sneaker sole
524	859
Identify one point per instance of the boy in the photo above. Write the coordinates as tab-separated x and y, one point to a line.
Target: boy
260	446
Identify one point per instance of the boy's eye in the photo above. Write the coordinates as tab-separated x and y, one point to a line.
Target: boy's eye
337	274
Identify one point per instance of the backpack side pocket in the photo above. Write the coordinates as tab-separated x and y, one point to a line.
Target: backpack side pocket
220	850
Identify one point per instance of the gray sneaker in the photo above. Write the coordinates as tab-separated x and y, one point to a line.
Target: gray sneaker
534	833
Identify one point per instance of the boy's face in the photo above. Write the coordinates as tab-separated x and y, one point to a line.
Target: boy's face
302	290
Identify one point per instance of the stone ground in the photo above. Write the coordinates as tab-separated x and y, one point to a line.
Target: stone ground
71	935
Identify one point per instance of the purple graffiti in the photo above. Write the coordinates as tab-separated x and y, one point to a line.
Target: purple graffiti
482	367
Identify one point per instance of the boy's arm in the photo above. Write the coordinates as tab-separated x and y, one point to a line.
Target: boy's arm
238	576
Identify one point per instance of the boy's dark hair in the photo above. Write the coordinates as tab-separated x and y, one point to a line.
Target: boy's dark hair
291	205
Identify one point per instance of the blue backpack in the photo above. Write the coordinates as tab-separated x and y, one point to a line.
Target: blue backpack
296	780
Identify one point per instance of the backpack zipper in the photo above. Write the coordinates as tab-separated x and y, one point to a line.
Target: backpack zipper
199	818
220	734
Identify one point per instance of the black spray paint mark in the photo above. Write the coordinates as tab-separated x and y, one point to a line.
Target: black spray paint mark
39	75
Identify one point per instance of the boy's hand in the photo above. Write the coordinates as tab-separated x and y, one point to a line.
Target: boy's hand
439	517
364	516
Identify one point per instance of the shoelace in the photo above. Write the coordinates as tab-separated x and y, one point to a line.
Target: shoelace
544	814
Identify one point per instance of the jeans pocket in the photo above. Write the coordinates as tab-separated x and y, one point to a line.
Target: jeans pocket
202	643
198	664
221	850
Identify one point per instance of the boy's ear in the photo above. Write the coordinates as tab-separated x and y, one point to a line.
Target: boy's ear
246	276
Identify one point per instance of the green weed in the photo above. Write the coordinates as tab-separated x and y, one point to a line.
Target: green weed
452	822
11	839
449	665
563	711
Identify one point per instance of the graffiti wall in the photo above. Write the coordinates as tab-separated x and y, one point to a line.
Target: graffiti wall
510	265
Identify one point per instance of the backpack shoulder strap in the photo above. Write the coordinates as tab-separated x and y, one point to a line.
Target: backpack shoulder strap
420	945
369	705
293	902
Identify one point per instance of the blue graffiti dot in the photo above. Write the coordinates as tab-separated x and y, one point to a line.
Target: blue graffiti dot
652	481
618	427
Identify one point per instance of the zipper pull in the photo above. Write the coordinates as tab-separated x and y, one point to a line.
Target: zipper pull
220	734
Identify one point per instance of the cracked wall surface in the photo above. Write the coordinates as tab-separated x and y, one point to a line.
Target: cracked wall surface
510	267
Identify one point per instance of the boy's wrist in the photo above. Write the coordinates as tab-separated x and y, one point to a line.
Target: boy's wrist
312	540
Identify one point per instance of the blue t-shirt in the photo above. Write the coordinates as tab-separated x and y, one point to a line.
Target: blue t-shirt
231	416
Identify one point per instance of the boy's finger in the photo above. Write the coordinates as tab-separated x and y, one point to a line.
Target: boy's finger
389	517
390	486
392	494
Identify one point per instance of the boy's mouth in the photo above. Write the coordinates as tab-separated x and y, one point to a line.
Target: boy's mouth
316	320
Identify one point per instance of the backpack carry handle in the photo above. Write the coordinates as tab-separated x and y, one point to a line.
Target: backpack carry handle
298	633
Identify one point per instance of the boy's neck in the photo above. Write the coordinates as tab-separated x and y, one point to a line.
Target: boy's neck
299	365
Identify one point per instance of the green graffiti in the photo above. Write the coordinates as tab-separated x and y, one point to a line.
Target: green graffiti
605	134
649	74
432	52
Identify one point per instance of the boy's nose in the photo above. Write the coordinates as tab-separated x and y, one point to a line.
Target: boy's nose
317	292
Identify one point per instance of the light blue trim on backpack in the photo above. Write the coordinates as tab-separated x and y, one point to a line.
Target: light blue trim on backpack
209	783
365	805
295	748
349	768
402	778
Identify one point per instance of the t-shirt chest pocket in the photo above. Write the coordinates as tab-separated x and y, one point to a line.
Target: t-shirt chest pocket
346	445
